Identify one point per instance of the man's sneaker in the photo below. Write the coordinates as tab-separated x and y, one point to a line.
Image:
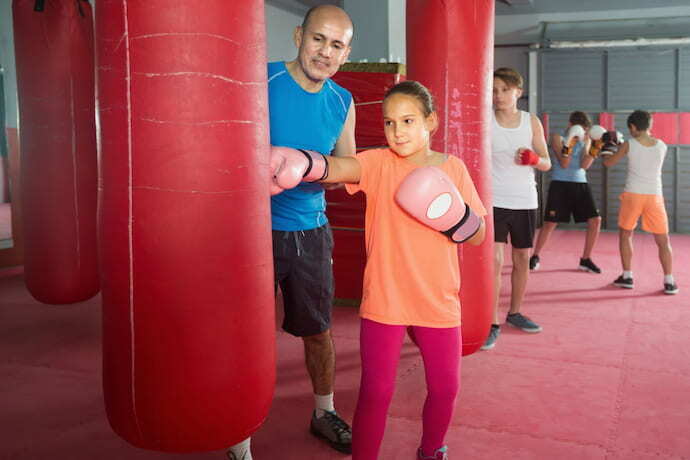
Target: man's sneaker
522	322
534	262
333	429
494	332
624	282
588	266
440	454
670	288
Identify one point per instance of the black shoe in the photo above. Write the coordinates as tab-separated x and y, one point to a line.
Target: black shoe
670	288
588	266
534	262
624	282
333	430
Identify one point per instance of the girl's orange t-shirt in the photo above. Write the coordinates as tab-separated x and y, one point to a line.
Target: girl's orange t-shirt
412	273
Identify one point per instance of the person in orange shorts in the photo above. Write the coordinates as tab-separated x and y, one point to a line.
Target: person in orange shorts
643	197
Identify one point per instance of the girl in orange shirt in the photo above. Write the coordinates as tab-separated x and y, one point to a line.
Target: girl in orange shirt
412	275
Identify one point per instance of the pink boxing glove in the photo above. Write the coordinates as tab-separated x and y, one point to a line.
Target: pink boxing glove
291	166
528	157
430	196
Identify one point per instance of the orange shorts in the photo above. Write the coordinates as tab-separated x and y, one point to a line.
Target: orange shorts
650	207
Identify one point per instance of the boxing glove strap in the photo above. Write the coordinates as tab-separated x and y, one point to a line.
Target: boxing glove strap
311	163
451	231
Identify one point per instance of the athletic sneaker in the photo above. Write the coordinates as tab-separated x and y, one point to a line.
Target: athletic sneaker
440	454
232	456
588	266
520	321
494	332
534	262
334	430
670	288
624	282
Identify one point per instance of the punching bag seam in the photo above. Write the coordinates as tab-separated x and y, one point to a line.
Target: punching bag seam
185	34
129	217
74	170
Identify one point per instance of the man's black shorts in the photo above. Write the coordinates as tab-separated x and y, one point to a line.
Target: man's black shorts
570	198
303	267
520	224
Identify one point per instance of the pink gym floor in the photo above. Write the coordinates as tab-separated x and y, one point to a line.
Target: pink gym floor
608	378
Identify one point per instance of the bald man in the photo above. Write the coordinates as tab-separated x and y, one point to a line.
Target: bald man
309	111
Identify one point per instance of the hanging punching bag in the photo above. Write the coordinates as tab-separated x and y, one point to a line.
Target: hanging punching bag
184	221
450	51
55	88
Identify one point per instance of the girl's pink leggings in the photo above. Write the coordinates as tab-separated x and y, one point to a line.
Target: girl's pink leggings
380	346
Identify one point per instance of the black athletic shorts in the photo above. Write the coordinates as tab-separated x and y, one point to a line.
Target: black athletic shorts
520	224
570	199
303	267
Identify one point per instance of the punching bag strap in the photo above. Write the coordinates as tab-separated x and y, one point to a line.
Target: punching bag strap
39	5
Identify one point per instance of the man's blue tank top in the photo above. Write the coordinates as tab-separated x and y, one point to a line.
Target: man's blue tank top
573	173
303	120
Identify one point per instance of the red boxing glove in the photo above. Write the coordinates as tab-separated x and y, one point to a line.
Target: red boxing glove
528	157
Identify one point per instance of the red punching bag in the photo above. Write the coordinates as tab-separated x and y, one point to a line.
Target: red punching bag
184	222
55	86
450	51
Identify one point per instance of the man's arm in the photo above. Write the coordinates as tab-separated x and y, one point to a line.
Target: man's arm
557	147
610	160
345	145
587	159
539	145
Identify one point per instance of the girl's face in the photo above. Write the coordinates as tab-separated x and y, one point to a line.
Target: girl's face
505	97
407	129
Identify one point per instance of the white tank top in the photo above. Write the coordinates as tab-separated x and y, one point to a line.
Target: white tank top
644	167
514	186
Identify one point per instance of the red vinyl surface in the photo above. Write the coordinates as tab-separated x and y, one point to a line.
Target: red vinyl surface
345	211
367	89
188	301
684	125
608	121
55	87
666	126
457	69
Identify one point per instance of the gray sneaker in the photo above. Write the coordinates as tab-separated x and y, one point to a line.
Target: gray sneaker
494	332
333	430
522	322
232	456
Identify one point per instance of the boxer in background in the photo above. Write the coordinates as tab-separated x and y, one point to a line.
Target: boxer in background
643	197
518	148
569	193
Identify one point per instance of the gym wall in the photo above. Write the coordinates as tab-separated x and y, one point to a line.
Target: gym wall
616	82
